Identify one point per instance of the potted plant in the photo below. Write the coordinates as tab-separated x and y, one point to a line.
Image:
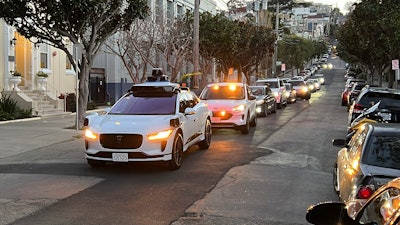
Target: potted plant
16	74
42	74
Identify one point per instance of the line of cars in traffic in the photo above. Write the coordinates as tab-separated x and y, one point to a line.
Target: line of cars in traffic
367	167
159	120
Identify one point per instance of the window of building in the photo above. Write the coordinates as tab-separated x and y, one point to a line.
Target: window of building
180	11
170	12
44	56
159	11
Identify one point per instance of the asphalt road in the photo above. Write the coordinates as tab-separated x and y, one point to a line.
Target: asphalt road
292	150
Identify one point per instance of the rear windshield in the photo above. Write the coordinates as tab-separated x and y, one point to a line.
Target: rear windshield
223	92
271	84
384	151
297	83
387	99
134	105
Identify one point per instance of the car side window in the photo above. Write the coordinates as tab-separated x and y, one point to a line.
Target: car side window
183	103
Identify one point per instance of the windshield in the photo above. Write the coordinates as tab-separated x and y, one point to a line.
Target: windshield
271	84
297	83
384	151
133	105
223	92
257	91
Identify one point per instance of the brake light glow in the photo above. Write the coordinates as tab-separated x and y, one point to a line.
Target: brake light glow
357	108
364	192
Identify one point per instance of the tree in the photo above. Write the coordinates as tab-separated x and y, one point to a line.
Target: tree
370	36
85	22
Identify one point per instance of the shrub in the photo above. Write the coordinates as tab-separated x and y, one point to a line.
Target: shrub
9	109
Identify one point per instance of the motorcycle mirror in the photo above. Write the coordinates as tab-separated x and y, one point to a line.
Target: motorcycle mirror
328	213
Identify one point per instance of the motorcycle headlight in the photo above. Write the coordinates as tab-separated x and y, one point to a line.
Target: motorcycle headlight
239	108
276	94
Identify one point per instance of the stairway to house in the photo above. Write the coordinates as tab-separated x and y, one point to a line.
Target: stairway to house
43	105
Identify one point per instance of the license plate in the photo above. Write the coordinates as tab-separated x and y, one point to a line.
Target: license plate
120	157
386	116
215	119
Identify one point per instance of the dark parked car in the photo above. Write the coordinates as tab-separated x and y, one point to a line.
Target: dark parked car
301	88
353	94
370	159
389	103
266	101
290	93
381	208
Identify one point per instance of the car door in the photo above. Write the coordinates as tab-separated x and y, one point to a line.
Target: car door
251	103
348	165
270	98
188	121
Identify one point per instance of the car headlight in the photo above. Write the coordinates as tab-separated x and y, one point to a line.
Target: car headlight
239	108
160	135
305	89
90	135
276	94
287	94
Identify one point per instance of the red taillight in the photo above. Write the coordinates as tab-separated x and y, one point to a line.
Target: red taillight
358	108
364	192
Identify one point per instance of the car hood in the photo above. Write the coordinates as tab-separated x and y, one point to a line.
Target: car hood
223	104
130	123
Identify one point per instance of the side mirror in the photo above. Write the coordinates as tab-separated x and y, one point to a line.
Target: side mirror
252	97
339	142
328	213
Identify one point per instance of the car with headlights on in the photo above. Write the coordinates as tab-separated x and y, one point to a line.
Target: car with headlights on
301	88
232	105
383	207
154	121
320	77
370	159
266	102
278	87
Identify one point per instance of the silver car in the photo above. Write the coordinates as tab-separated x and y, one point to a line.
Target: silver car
369	160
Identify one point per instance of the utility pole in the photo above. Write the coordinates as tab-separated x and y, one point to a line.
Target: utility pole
196	44
275	56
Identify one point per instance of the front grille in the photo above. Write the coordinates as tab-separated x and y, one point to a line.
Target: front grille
121	141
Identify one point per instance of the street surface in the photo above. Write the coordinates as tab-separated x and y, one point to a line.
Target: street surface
269	176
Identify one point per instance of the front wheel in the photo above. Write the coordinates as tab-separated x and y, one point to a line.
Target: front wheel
205	144
246	128
177	153
253	122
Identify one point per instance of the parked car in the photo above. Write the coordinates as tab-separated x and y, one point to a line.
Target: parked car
232	105
301	88
380	208
290	93
370	159
389	103
353	93
278	87
266	102
154	121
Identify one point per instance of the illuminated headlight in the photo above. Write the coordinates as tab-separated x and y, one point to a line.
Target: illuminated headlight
304	89
160	135
322	80
287	94
90	135
276	94
258	109
311	87
239	108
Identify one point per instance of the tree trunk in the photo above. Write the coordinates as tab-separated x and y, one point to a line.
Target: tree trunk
83	93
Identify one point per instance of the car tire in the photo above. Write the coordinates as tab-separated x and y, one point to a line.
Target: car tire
205	144
275	108
265	113
336	179
244	129
280	105
177	153
253	122
95	163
